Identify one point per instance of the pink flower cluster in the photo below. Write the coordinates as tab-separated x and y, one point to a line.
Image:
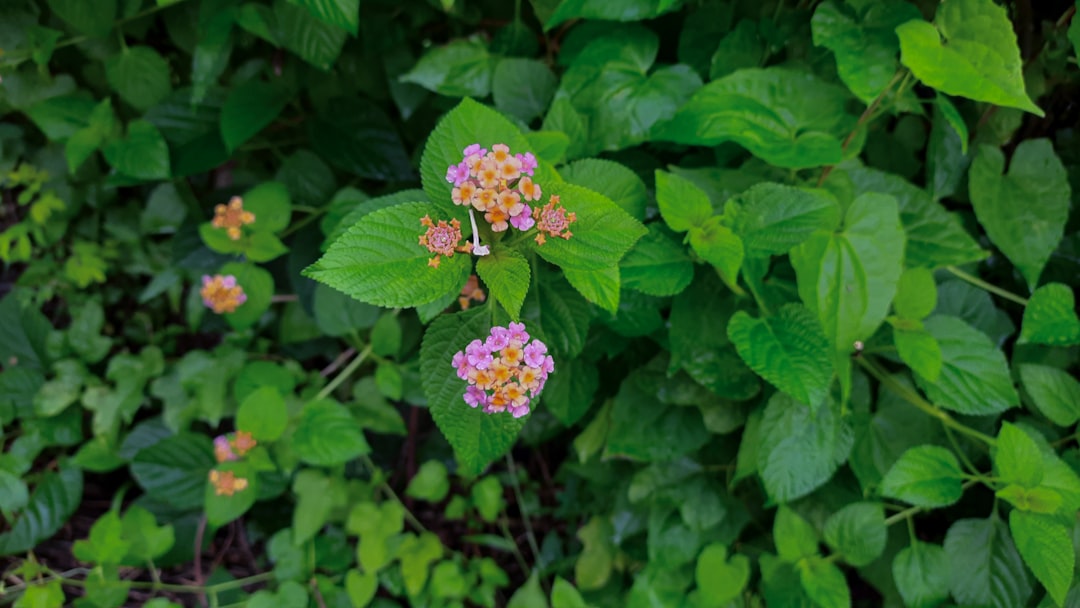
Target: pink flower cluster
505	371
496	183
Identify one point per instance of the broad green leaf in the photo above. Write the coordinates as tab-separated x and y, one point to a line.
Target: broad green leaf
611	179
106	544
682	204
147	539
487	496
416	555
1050	317
563	118
564	595
258	286
970	50
549	146
462	68
522	88
849	278
947	157
430	483
328	435
800	447
918	349
601	287
986	568
974	376
385	338
93	19
224	508
249	108
379	260
741	47
174	470
922	573
772	218
631	10
639	420
935	237
13	493
477	438
593	568
263	413
1055	392
1017	458
529	595
317	496
140	76
1047	548
1035	500
361	586
719	579
719	246
568	395
857	532
925	476
602	234
657	265
787	118
342	13
142	154
356	136
824	583
795	538
916	294
52	502
557	314
865	44
788	349
269	201
1027	234
340	315
506	274
314	40
61	117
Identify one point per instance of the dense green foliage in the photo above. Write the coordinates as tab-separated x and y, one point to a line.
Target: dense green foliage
804	270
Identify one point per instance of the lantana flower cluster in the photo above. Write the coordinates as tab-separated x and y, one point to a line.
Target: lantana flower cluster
505	371
232	217
497	183
227	449
221	293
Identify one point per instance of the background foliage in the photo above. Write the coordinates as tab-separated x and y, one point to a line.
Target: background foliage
815	335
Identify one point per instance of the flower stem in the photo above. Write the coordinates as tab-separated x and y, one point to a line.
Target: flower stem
994	289
345	373
533	546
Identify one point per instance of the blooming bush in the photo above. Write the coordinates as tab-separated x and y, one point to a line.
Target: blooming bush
608	303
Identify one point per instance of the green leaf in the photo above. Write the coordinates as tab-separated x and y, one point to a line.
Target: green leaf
800	447
1026	234
140	76
657	265
386	336
416	555
858	532
974	376
147	539
315	41
789	350
569	394
317	496
93	19
1047	549
248	109
430	483
772	218
1050	317
564	595
947	158
740	48
1017	458
340	315
361	586
611	179
849	278
105	544
55	498
506	274
922	573
916	294
824	583
596	562
487	496
601	287
719	579
719	246
630	10
379	261
865	45
328	435
523	88
986	568
142	154
269	201
918	349
970	51
263	413
1035	500
13	493
61	117
925	476
342	13
682	204
174	470
258	286
529	595
1055	392
795	538
558	315
787	118
602	234
462	68
639	419
477	438
356	136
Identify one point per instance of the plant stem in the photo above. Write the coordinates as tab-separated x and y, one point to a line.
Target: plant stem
345	373
994	289
385	487
914	399
533	546
864	118
912	511
510	539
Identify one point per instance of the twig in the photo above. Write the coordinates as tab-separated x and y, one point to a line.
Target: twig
199	532
345	373
337	362
994	289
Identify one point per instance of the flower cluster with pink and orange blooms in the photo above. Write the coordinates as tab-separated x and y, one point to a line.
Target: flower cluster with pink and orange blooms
505	371
226	483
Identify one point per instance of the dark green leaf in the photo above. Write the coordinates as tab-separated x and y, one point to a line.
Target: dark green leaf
986	568
140	76
328	435
53	501
922	574
657	265
789	350
462	68
314	40
342	13
142	154
857	532
772	218
93	19
248	108
358	137
174	470
801	447
974	377
522	88
925	476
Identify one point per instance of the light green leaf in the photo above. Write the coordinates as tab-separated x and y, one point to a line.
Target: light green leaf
379	261
523	88
916	294
596	562
918	349
800	447
986	568
787	118
602	234
342	13
416	555
142	154
849	278
564	595
657	265
611	179
1047	548
430	483
974	376
1050	317
1027	234
601	287
529	595
922	573
970	51
719	579
1055	392
865	45
361	586
263	413
824	583
772	218
258	286
795	538
719	246
1035	500
140	76
147	539
682	204
506	274
1017	458
249	107
328	435
788	349
858	532
925	476
105	544
462	68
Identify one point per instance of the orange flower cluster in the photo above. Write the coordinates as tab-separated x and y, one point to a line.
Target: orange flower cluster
226	483
471	291
221	293
554	220
442	239
232	217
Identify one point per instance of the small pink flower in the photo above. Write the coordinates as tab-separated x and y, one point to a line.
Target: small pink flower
528	162
475	396
534	354
517	332
549	364
479	356
524	221
499	338
461	362
473	149
222	450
